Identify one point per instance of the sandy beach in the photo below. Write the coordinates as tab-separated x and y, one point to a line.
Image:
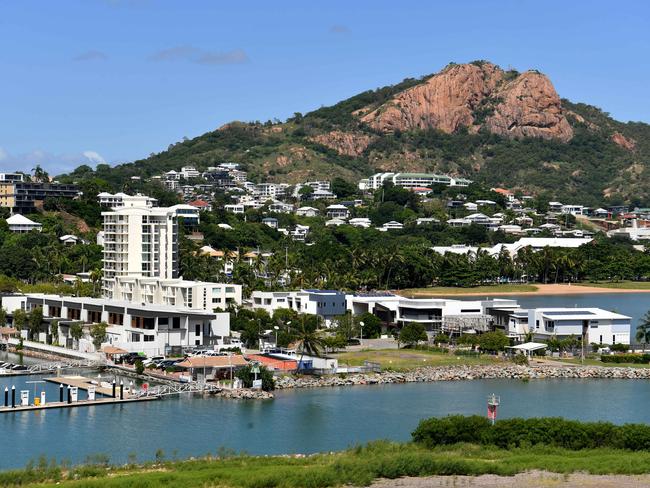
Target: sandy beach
548	289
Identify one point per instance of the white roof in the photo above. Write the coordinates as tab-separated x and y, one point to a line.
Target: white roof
569	313
225	226
18	219
337	207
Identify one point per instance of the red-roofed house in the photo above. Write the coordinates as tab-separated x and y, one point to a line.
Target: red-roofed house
274	364
201	205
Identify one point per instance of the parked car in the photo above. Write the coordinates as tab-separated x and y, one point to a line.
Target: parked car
153	360
167	363
132	357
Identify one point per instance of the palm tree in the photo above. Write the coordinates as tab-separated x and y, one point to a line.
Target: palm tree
643	330
308	342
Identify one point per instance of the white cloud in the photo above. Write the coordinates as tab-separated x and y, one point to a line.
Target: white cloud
196	55
94	157
51	162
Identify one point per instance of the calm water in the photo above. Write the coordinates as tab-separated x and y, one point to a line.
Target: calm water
311	420
300	421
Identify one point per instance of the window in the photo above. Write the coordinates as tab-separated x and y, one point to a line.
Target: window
135	337
537	324
230	289
216	290
613	339
148	338
176	323
601	339
216	300
163	320
197	329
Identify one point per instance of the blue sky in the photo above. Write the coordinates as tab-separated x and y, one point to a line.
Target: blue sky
85	81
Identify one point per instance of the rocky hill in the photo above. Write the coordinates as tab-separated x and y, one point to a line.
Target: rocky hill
477	120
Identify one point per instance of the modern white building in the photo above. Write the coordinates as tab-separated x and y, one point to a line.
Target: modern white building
599	326
119	200
20	224
139	242
152	329
337	211
324	303
188	172
435	314
307	212
634	232
194	295
411	180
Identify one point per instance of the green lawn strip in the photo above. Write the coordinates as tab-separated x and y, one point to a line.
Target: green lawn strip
360	466
597	362
452	290
408	359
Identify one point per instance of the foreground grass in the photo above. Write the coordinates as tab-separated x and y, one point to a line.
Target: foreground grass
408	359
452	290
618	285
357	467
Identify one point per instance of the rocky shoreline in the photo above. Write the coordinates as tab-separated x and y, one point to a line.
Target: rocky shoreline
460	373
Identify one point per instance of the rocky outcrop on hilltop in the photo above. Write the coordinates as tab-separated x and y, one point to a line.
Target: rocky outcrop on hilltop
475	96
347	143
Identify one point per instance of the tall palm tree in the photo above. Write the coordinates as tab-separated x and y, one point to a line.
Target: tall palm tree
643	330
308	342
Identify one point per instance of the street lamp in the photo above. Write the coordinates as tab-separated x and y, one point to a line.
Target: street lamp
361	339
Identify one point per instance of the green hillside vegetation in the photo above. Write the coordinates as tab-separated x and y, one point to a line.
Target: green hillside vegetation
590	169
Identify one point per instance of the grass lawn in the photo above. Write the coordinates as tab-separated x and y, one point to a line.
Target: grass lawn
407	359
355	467
453	290
619	285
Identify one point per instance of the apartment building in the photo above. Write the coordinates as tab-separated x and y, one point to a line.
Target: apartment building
22	196
119	200
151	329
193	295
139	242
411	180
271	190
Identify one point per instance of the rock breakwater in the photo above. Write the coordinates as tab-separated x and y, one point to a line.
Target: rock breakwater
460	373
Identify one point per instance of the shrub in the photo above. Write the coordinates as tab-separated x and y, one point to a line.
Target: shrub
627	358
517	432
520	359
139	367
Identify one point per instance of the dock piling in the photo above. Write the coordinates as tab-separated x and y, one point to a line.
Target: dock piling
6	396
122	390
13	396
69	397
113	387
61	392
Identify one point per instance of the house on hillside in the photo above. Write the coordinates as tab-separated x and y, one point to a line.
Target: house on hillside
21	224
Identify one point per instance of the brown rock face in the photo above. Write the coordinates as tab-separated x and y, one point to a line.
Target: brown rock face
476	96
624	142
347	143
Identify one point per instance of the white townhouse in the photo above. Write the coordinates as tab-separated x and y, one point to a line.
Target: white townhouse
337	211
327	304
599	326
307	212
20	224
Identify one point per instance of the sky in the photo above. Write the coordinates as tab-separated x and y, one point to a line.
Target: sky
92	81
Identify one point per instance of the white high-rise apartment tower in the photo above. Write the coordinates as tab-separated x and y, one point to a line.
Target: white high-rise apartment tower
139	241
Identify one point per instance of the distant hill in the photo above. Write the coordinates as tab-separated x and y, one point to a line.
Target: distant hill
503	128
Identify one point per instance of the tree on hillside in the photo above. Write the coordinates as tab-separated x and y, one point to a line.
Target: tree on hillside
411	334
3	317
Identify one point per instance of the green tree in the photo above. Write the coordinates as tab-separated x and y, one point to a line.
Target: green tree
412	333
309	341
3	317
54	331
19	319
76	332
98	334
493	341
247	376
35	320
371	325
